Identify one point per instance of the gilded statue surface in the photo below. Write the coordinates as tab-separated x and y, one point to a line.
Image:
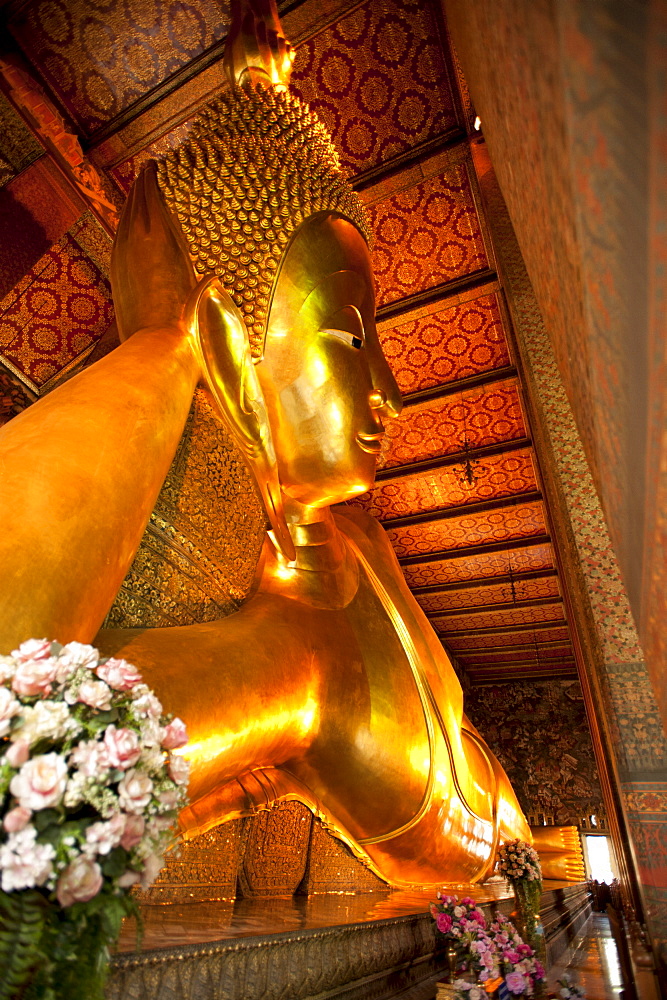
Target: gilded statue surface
242	262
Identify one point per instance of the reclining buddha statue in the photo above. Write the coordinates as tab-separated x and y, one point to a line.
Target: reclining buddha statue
242	260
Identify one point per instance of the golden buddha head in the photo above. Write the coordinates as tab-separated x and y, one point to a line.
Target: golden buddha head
264	205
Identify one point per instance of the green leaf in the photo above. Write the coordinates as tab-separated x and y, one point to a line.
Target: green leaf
115	863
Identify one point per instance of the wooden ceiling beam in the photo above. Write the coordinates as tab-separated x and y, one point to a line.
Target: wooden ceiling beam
462	654
562	674
457	458
466	552
485	581
446	290
481	380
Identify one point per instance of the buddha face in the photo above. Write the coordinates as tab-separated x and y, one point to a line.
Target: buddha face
326	382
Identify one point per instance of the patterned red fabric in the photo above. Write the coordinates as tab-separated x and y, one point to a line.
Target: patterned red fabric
377	79
425	235
480	416
454	343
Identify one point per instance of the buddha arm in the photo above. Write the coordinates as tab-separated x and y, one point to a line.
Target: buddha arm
79	475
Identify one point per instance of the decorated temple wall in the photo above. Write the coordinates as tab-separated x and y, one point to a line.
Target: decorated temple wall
577	89
539	732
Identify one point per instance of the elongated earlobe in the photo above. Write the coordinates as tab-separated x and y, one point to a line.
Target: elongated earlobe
222	341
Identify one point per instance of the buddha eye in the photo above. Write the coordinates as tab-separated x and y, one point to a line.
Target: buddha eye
346	325
348	338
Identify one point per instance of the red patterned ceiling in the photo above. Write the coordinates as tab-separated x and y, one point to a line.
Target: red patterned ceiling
426	235
378	81
61	307
451	344
99	56
524	590
498	476
485	416
484	528
378	77
495	619
477	567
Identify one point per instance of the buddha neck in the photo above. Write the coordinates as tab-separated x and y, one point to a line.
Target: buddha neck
324	574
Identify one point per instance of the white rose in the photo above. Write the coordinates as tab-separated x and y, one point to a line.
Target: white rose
9	707
25	863
45	720
78	654
41	782
7	668
134	791
95	694
146	705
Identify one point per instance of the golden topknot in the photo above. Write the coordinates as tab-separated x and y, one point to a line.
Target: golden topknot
256	165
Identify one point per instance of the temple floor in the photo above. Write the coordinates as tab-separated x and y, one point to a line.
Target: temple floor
592	961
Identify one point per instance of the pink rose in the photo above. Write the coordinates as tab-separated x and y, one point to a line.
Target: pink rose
169	800
122	746
134	831
118	674
179	769
9	707
515	982
18	753
174	735
96	694
444	923
34	677
33	649
79	882
91	758
16	819
134	791
41	782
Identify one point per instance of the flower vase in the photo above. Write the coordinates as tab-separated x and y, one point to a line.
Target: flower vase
527	920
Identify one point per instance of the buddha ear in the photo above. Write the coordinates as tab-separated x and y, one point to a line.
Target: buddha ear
222	340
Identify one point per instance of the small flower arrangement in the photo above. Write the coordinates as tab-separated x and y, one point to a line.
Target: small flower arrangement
569	990
518	860
90	787
494	953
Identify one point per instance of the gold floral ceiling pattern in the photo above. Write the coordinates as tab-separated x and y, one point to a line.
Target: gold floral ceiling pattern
458	488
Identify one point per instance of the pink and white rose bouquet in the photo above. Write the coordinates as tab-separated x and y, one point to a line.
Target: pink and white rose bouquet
91	782
491	951
518	860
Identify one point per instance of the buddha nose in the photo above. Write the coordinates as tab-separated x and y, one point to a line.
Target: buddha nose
377	399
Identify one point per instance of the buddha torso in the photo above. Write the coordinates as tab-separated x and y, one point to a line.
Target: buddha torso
331	692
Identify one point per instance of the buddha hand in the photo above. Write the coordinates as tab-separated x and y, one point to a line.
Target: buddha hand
151	271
